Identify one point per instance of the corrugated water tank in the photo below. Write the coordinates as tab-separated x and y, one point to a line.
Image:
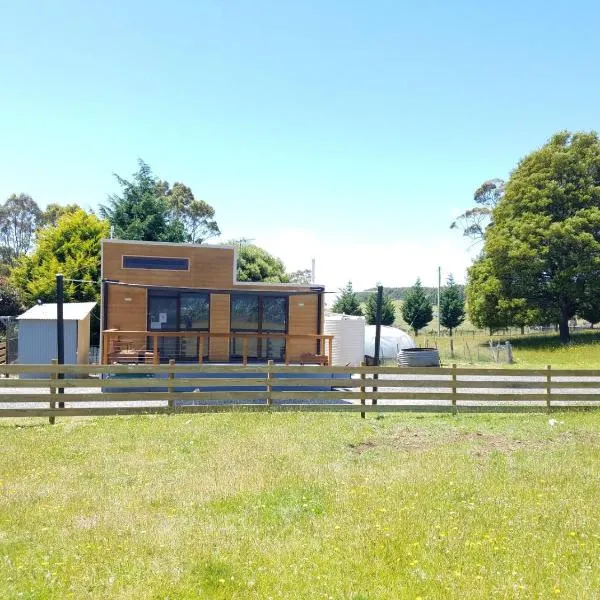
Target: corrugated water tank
349	339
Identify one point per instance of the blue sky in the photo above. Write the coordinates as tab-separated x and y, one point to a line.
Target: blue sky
351	132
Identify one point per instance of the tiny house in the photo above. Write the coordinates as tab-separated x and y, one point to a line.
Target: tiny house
163	301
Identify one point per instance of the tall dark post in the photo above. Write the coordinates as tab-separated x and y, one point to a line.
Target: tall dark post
378	322
60	330
377	332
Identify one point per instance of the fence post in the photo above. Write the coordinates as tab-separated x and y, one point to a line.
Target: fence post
362	391
454	388
549	383
53	376
155	359
171	377
269	387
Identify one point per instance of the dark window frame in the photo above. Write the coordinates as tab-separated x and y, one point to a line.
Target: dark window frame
176	293
178	263
260	328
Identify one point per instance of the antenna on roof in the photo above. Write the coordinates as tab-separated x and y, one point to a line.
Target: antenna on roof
312	272
239	242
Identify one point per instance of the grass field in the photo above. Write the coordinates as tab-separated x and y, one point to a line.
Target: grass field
301	506
529	351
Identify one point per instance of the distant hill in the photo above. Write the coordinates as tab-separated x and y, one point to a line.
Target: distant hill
398	293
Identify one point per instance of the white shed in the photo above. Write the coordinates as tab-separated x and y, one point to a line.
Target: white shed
37	334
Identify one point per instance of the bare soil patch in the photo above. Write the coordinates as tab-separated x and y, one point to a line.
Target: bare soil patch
478	443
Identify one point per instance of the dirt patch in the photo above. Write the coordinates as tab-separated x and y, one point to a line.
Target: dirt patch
363	446
477	443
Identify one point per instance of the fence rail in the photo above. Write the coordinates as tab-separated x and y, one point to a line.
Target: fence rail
163	389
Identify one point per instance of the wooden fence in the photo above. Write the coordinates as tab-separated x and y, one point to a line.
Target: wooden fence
163	389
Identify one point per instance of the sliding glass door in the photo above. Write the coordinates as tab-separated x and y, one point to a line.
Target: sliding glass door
260	314
172	310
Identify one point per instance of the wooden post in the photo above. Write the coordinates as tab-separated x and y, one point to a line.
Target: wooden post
171	377
53	376
201	349
155	359
509	354
245	351
362	391
454	388
269	386
330	355
105	342
548	389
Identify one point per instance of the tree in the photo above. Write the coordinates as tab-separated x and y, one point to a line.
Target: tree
474	221
302	277
544	243
256	264
416	308
195	217
590	310
71	248
142	212
53	212
347	302
388	311
10	301
19	219
452	306
483	294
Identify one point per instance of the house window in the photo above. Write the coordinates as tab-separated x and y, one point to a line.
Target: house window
193	311
261	314
156	262
178	311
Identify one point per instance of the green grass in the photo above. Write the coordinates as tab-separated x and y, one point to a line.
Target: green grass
300	506
529	351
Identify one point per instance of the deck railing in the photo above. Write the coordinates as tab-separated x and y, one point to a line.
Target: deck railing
143	346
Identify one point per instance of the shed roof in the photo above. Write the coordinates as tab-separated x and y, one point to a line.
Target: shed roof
72	311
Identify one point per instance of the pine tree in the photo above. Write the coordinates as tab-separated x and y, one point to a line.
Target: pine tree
416	308
388	312
347	303
452	305
142	212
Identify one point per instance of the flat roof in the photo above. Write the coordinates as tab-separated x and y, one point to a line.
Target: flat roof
174	244
72	311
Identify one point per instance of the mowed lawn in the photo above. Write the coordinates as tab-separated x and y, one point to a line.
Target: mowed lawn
301	506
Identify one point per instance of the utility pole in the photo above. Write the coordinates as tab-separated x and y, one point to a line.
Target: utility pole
439	288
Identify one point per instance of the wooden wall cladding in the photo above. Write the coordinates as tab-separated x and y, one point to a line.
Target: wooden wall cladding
303	311
219	323
209	267
127	310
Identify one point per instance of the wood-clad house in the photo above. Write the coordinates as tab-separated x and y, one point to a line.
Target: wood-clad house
163	301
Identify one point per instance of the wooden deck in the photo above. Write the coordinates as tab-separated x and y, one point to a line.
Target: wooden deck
135	347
